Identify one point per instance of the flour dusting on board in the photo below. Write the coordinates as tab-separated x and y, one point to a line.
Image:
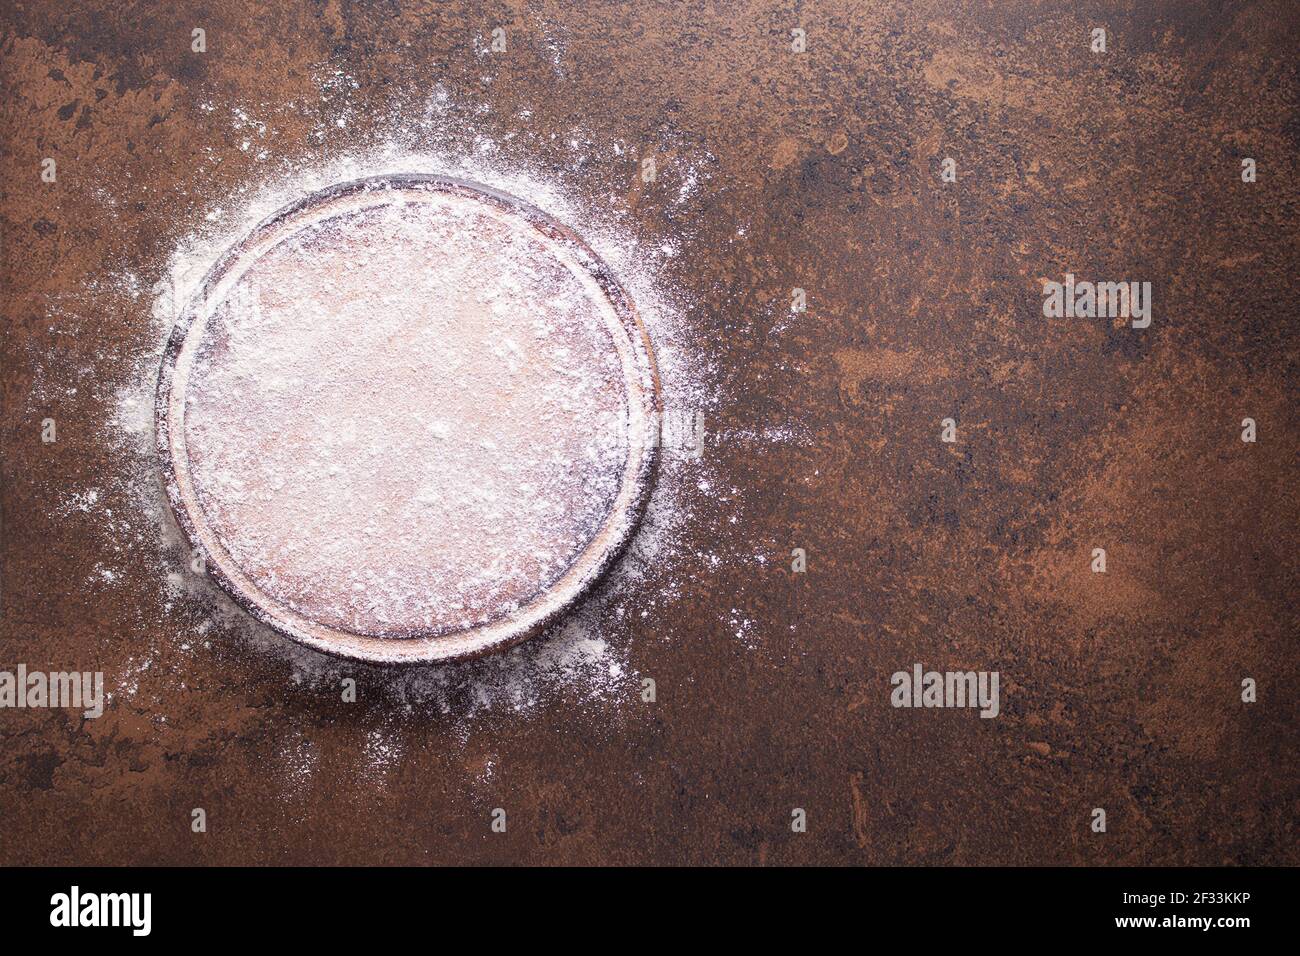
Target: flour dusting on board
410	415
585	657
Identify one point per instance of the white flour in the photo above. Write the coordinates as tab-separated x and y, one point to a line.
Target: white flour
581	659
408	417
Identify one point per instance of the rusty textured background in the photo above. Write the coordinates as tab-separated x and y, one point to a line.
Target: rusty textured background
1119	690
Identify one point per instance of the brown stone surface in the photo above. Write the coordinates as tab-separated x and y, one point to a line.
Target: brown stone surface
1119	690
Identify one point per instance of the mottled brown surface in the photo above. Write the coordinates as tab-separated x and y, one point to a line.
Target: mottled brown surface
1119	690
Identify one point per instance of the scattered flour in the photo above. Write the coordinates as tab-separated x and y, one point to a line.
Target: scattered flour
586	659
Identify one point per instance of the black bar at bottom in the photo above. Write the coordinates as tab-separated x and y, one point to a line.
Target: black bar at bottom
335	905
